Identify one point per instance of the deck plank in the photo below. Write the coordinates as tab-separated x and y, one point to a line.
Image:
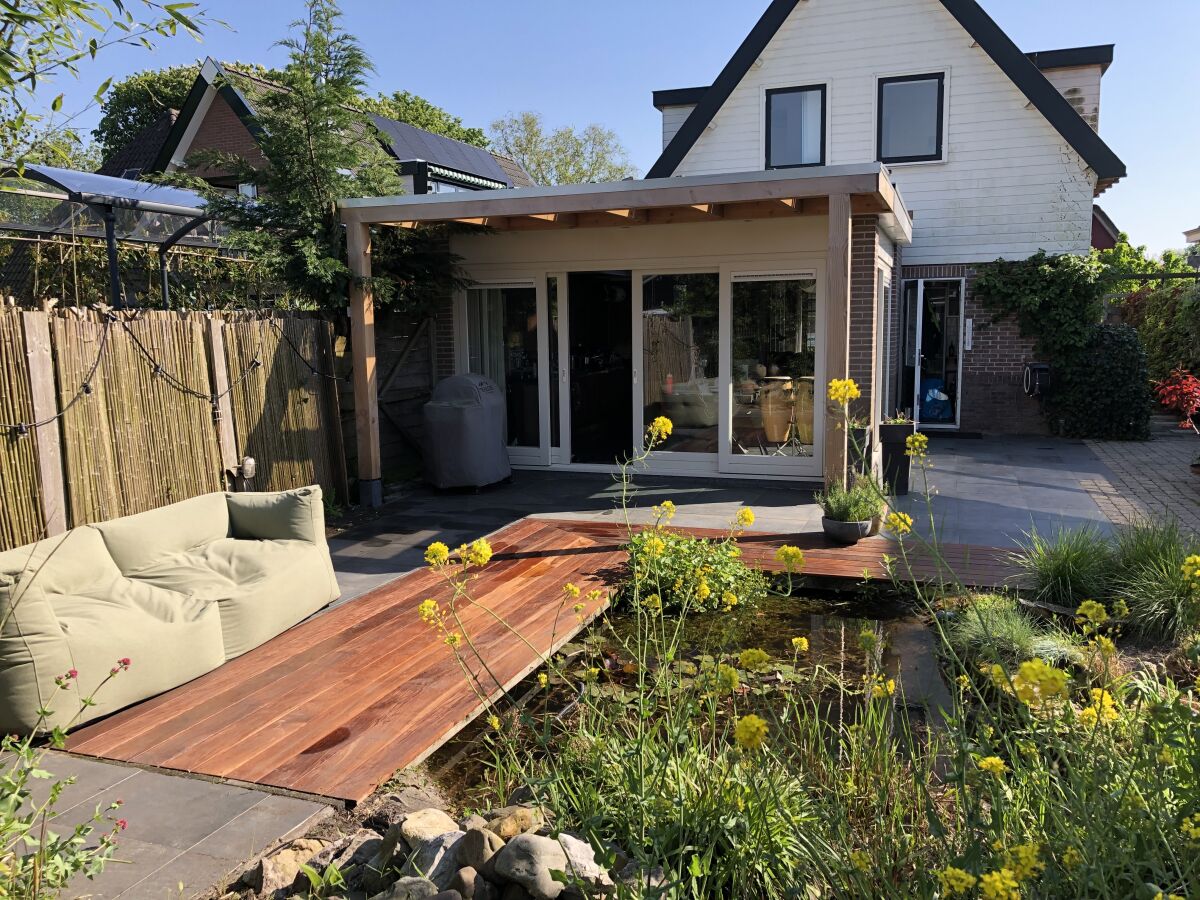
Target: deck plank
337	704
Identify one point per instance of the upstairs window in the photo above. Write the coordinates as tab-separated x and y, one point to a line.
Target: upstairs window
911	118
796	127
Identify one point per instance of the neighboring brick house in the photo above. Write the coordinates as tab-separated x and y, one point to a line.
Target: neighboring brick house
218	115
995	152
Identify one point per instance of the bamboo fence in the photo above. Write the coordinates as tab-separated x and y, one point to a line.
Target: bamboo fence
145	433
21	520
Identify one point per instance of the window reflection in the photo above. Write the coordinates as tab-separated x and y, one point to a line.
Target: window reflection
502	342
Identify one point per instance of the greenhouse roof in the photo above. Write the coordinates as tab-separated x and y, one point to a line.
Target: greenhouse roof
105	190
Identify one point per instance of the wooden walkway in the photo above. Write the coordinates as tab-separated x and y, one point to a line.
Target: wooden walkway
337	704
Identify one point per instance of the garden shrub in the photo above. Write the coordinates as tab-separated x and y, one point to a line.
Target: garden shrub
1150	578
1168	322
679	571
993	628
1179	392
1071	565
860	502
1103	390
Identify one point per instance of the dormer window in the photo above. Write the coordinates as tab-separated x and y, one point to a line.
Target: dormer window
796	127
911	118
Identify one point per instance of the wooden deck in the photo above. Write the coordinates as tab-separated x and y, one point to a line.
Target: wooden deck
337	704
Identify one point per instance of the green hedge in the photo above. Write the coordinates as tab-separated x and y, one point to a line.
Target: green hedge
1103	390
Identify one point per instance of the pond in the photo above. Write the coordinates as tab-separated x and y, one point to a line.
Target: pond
831	622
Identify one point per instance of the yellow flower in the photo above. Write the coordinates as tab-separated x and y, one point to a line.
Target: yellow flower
750	732
964	682
753	659
591	674
453	639
1036	682
1000	885
791	557
652	602
571	590
479	553
1191	568
727	678
494	721
861	860
955	881
1105	645
1120	609
428	611
729	599
660	429
993	765
899	523
916	445
744	517
881	688
655	546
1025	860
437	554
843	390
1165	756
1072	858
703	591
664	512
543	679
1091	613
578	609
800	644
1103	709
1191	829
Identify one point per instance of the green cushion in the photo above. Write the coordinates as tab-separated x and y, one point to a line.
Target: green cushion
33	651
138	541
260	587
297	515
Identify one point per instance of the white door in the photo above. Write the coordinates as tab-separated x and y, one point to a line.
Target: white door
931	364
772	367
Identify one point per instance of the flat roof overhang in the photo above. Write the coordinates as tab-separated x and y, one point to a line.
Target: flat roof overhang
781	193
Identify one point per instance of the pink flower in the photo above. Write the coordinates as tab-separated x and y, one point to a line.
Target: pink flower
122	824
121	666
124	661
73	673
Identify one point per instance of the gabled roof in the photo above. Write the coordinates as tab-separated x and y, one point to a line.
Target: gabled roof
404	141
1020	69
140	153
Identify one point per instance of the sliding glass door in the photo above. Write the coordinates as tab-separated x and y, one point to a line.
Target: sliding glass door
600	365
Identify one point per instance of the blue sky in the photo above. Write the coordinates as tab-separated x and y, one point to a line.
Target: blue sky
578	62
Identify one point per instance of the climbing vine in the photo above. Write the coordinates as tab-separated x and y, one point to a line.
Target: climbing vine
1100	386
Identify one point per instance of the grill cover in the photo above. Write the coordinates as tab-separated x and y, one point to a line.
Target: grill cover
465	423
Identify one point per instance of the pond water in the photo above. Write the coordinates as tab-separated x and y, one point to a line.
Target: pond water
831	624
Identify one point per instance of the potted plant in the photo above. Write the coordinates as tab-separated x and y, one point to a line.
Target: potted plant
851	512
894	432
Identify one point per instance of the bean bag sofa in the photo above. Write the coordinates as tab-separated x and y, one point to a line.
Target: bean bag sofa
177	590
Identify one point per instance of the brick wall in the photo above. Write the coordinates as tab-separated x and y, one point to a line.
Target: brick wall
443	323
221	130
863	335
993	398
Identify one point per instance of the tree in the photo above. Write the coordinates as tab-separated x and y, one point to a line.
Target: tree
563	156
40	39
1126	259
420	113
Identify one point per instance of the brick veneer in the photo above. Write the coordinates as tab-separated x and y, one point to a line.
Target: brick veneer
222	131
993	399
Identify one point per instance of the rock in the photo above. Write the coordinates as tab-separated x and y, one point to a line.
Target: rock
472	886
643	879
409	889
514	820
436	859
581	859
475	821
476	849
447	895
280	869
528	860
350	851
515	892
521	796
414	793
424	825
375	874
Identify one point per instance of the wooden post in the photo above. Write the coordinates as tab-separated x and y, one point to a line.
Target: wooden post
837	330
362	346
53	492
226	437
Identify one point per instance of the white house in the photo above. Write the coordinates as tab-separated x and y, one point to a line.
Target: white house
815	213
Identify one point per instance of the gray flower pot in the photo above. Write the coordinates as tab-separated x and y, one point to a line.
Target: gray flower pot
845	532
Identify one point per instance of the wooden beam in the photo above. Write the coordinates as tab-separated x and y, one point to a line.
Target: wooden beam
366	377
714	210
226	437
837	331
52	486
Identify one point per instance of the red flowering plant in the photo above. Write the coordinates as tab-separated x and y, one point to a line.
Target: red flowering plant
1180	392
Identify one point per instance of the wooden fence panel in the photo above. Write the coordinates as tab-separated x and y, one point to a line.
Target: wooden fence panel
144	437
285	416
22	520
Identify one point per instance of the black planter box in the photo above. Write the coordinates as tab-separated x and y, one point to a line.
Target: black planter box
895	456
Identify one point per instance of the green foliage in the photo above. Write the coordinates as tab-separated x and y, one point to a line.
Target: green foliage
420	113
135	102
677	572
1125	259
1167	319
1071	565
564	156
862	501
1103	390
320	151
46	38
1140	566
993	628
